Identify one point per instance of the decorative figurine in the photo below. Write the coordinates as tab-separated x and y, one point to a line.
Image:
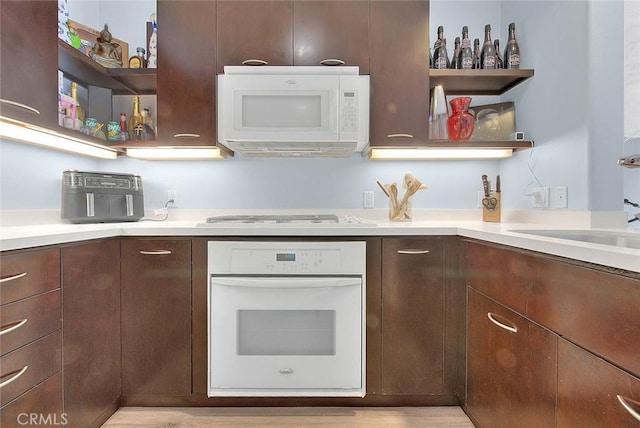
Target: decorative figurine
152	62
105	52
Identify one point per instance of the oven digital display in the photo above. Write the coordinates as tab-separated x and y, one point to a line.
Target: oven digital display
286	257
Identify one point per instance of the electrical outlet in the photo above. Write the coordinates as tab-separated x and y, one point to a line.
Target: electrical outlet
367	199
540	197
560	197
172	195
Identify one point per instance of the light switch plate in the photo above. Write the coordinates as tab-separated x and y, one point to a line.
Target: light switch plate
367	200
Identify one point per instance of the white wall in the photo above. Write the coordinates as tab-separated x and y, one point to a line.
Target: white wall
554	108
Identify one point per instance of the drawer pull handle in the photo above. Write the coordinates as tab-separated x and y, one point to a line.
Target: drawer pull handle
628	407
186	135
155	252
399	136
332	61
254	62
413	251
286	371
13	326
17	374
20	105
513	329
11	278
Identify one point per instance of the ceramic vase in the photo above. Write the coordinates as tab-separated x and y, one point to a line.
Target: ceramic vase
460	123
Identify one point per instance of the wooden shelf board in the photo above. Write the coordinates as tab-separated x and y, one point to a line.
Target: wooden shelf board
86	71
477	82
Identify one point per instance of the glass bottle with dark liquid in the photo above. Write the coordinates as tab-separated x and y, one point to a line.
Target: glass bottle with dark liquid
496	47
440	57
512	50
465	57
488	54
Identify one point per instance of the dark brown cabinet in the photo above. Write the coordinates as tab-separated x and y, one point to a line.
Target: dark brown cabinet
412	316
511	367
328	31
594	393
156	317
186	74
399	68
91	331
254	33
29	50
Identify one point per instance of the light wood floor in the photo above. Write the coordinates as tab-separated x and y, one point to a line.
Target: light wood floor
298	417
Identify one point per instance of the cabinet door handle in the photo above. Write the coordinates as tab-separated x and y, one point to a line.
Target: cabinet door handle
413	251
17	374
628	407
20	105
11	278
155	252
13	326
399	136
512	329
332	61
254	62
186	135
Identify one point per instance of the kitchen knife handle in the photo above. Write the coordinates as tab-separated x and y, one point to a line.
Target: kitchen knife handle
413	251
20	105
13	277
155	252
13	326
14	377
485	185
512	329
628	407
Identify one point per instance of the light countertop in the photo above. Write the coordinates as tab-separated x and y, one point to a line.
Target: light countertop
19	237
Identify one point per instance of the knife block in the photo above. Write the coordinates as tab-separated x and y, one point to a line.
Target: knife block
492	215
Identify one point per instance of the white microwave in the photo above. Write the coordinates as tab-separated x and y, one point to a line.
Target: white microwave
293	111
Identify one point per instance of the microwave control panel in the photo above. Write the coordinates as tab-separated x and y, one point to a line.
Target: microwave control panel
349	111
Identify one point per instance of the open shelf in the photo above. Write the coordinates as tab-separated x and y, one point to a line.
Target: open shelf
477	82
122	81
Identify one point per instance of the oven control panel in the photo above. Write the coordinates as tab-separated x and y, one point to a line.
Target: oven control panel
286	258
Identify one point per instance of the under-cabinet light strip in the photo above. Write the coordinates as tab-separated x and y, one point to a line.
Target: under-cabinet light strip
436	153
175	153
46	138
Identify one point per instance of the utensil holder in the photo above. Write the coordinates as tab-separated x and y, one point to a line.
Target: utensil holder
491	213
402	213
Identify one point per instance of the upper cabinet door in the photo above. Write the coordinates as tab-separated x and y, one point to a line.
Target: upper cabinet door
326	31
29	51
186	71
399	68
254	33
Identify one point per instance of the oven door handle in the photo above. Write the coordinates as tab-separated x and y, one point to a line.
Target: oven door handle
286	282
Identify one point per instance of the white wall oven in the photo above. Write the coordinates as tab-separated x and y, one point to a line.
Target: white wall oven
286	318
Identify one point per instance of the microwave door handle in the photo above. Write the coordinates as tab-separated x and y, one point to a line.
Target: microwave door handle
285	282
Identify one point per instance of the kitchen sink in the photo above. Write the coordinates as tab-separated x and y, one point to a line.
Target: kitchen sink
614	238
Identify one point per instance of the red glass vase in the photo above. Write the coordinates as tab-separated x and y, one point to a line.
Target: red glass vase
460	123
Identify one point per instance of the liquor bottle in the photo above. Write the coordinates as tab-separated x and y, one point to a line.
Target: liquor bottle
512	51
496	47
80	114
465	59
476	54
456	53
148	133
124	134
138	61
136	120
440	57
488	54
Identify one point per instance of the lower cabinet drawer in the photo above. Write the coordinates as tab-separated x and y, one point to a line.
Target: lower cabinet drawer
594	393
26	320
26	367
41	406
